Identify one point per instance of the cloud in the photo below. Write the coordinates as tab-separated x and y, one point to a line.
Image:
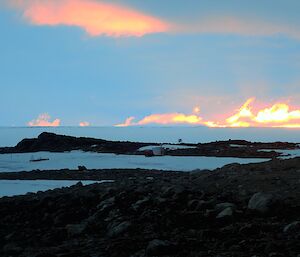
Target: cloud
43	120
128	122
84	124
95	17
164	119
277	115
98	18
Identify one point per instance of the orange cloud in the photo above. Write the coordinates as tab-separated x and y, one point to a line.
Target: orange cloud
43	120
84	124
278	115
164	119
95	17
128	122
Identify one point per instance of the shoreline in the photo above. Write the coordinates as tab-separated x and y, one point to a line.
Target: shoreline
51	142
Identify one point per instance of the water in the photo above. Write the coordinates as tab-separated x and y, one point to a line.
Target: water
71	160
21	187
10	136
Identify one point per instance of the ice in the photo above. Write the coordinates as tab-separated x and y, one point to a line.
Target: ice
71	160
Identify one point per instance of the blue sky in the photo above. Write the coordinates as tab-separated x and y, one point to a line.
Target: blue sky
103	79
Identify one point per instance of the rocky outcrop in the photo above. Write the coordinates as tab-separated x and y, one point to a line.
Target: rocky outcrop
59	143
231	148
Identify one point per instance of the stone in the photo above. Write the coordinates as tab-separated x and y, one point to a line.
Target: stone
222	206
12	248
261	202
47	254
140	204
76	229
106	205
117	229
159	247
292	228
193	205
226	213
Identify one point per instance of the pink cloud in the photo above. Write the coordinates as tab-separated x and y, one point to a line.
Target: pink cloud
164	119
43	120
84	124
128	122
95	17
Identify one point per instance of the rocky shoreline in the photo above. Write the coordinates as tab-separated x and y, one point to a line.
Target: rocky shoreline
232	148
238	210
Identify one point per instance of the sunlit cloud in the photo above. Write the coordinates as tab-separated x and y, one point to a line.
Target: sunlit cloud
98	17
43	120
128	122
164	119
95	17
277	115
84	124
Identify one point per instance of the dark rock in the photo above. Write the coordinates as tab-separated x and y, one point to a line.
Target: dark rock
47	254
12	248
82	168
140	204
262	202
292	228
222	206
226	213
76	229
117	229
158	247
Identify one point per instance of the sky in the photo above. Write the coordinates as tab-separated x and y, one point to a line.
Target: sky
133	62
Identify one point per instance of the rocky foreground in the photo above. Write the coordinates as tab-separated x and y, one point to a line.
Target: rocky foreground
239	210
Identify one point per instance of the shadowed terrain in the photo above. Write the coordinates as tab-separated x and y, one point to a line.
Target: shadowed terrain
238	210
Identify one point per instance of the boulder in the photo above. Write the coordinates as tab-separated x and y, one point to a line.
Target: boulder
117	229
262	202
222	206
292	228
226	213
140	204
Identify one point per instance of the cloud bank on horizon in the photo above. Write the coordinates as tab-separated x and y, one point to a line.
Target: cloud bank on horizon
44	120
277	115
98	18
